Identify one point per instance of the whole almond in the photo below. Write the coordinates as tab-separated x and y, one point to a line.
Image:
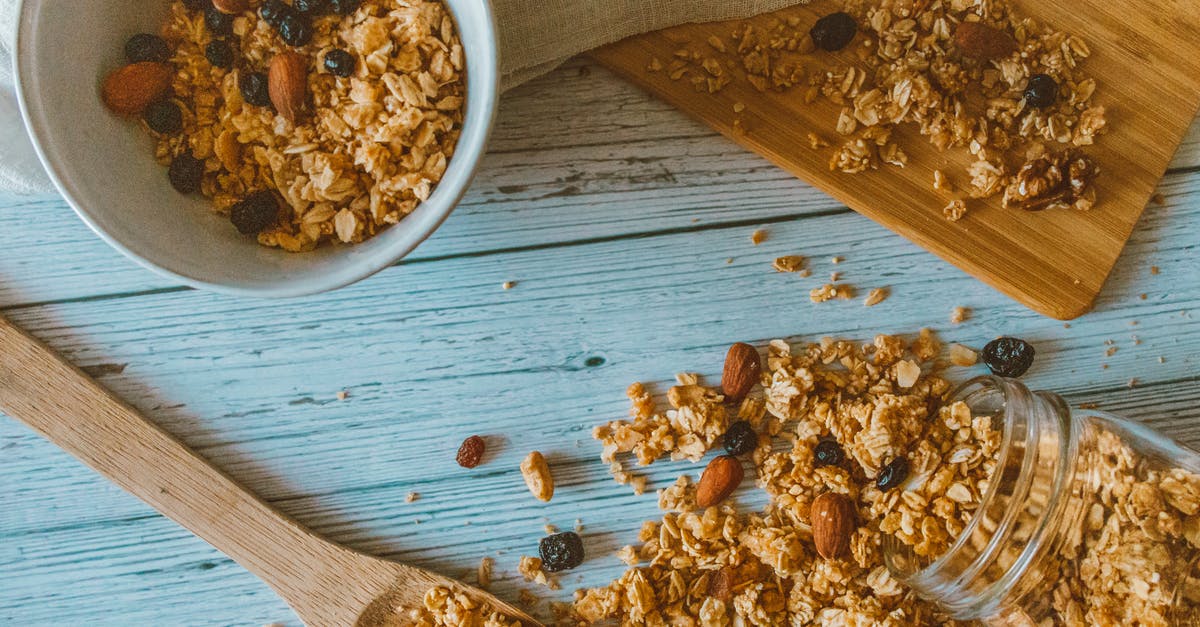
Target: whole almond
742	370
833	522
287	83
130	89
721	584
722	476
983	42
230	7
537	476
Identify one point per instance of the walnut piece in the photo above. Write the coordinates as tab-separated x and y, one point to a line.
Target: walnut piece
1053	181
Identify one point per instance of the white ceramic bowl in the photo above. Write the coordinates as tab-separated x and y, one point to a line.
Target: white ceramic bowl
104	165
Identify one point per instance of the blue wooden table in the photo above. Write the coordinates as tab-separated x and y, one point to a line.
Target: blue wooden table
626	229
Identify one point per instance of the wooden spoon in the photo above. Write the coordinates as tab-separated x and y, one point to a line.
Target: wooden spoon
328	585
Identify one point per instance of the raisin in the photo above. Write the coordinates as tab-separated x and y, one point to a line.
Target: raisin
272	11
164	117
1008	356
255	88
147	47
339	63
740	438
255	213
344	7
828	452
309	6
295	29
218	23
1041	91
893	474
185	173
561	551
219	54
471	452
834	31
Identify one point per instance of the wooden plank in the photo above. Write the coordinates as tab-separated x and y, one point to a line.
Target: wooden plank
1054	262
449	353
576	155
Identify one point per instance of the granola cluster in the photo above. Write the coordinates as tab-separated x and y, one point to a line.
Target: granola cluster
720	567
446	608
913	66
370	146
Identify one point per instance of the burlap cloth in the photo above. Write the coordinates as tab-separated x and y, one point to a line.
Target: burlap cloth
535	36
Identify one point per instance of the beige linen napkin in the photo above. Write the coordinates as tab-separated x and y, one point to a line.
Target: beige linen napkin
535	36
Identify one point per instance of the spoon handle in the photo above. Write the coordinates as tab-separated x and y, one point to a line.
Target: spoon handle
64	405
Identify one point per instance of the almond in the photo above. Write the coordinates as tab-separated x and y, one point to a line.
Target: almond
983	42
742	370
833	522
721	584
230	7
287	83
129	90
722	476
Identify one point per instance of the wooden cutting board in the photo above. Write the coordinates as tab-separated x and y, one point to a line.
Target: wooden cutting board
1146	62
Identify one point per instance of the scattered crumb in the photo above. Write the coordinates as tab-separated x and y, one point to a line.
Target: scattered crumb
628	554
940	183
738	107
1066	325
1162	360
834	277
907	373
578	525
526	598
962	356
830	291
1132	382
531	569
655	65
729	261
816	142
1142	296
412	497
1154	270
1158	199
550	529
716	43
758	236
508	285
343	395
955	210
1112	350
876	296
1089	406
836	259
788	263
484	575
959	315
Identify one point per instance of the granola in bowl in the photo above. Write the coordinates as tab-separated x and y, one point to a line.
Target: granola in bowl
308	122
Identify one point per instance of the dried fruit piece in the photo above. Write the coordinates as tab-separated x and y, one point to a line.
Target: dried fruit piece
834	31
833	523
219	54
893	474
147	47
255	212
255	91
339	62
561	551
742	370
537	476
470	453
185	173
163	116
740	438
295	28
287	83
1008	356
721	584
218	23
1041	91
983	42
828	453
130	89
722	476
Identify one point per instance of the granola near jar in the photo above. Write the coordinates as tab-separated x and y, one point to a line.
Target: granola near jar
1089	518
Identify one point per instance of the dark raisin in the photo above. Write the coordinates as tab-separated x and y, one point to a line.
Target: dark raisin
828	452
1008	356
219	24
339	63
147	47
471	452
344	7
295	29
163	116
1041	91
197	5
272	11
309	6
893	474
255	88
740	438
255	212
219	54
834	31
185	173
561	551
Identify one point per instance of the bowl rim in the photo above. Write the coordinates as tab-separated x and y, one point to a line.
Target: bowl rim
469	150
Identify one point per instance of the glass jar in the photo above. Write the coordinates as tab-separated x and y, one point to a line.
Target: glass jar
1088	519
